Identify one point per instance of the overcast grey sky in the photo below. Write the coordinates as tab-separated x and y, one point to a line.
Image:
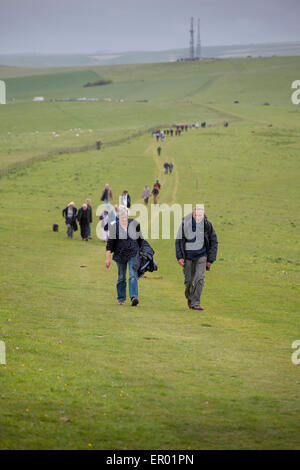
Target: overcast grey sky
79	26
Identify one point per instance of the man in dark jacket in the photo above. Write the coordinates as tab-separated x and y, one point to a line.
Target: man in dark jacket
196	249
83	219
69	213
90	216
124	242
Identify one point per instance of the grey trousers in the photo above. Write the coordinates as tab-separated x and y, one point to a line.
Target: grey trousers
194	276
69	231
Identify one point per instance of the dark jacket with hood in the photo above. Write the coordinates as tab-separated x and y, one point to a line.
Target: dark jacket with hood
210	240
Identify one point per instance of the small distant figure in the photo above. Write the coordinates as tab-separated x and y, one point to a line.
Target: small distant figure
179	132
171	166
168	131
157	184
146	194
126	199
83	219
166	167
158	151
171	131
69	213
98	144
203	124
157	136
90	213
55	227
104	224
176	132
107	196
155	192
226	124
186	127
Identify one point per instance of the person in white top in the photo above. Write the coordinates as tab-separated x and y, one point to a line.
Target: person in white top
125	199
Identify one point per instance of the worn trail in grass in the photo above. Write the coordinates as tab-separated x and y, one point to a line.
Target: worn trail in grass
158	376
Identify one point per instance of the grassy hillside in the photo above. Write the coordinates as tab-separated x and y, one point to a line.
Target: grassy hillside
158	376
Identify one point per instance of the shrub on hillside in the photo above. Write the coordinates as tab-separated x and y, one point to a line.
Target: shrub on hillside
97	83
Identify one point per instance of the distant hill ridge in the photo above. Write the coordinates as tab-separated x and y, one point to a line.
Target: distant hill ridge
140	57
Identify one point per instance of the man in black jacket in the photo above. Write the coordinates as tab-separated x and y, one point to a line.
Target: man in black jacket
83	219
69	213
90	216
196	249
124	242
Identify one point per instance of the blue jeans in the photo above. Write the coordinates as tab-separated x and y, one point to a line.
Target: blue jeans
89	230
133	280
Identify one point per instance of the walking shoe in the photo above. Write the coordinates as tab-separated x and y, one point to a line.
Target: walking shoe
121	302
196	307
189	304
134	302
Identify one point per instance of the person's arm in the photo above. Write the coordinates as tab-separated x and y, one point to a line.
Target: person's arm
107	261
178	246
213	248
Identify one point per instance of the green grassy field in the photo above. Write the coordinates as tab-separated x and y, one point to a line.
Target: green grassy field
159	376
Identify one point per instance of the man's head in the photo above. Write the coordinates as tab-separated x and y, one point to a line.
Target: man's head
107	186
84	207
198	212
123	215
88	201
125	192
71	204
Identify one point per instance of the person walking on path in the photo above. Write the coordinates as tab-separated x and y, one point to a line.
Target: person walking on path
124	242
196	249
69	213
107	196
83	219
126	199
171	166
155	192
158	151
146	194
104	224
90	217
166	167
157	184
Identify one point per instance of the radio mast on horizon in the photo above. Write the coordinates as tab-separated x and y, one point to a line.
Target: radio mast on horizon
192	40
198	49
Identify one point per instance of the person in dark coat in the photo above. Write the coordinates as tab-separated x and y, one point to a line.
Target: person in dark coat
196	249
124	241
90	212
83	219
69	213
166	167
158	151
171	167
155	193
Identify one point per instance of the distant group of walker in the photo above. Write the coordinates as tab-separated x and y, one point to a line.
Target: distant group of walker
125	241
